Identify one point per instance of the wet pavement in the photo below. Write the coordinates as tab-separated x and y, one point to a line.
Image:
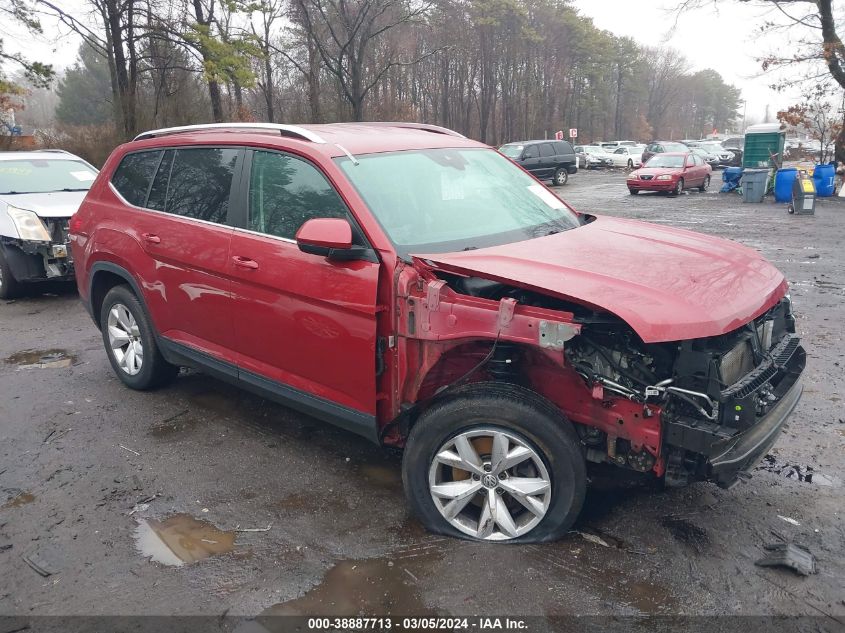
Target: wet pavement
203	499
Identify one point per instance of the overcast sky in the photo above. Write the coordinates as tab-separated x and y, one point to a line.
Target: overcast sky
721	39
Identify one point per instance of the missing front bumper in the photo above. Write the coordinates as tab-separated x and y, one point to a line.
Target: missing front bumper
732	457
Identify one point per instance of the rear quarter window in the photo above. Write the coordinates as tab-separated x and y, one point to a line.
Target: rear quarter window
562	147
133	176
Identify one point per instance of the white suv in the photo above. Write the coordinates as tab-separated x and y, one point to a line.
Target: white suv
39	191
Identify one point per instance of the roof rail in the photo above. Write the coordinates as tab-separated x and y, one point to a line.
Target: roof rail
285	130
425	127
55	151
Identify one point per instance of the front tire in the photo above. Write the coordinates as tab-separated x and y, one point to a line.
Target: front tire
630	164
561	177
633	192
679	188
9	286
130	342
495	462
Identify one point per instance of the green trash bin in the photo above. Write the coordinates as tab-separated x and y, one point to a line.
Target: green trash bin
754	182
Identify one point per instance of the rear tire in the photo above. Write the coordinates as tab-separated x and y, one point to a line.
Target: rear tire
9	286
561	177
537	498
130	342
704	184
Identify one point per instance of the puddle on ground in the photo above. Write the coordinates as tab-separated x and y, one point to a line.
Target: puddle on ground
181	539
41	359
385	475
175	425
798	472
379	585
19	500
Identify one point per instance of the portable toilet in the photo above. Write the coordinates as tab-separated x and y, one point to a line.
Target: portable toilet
764	146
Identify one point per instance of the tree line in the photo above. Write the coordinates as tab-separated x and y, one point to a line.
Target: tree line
495	70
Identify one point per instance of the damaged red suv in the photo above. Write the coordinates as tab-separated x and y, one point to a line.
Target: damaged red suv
421	290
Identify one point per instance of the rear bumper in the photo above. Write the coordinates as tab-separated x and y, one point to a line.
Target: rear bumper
731	458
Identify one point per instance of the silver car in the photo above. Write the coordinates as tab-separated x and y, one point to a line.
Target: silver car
39	191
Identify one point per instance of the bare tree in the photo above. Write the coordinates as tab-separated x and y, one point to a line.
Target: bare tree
351	28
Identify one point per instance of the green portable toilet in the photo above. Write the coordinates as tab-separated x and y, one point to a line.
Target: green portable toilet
764	146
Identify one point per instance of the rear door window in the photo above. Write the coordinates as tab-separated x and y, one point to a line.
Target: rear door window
285	192
546	150
200	183
133	176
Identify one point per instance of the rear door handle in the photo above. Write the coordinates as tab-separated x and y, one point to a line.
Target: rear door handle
245	262
152	238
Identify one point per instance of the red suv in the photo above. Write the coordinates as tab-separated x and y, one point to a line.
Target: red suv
419	289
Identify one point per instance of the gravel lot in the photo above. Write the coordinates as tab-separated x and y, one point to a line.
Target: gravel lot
91	470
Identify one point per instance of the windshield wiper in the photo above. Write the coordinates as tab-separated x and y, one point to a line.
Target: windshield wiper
470	248
70	189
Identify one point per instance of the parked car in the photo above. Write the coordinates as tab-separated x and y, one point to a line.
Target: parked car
39	191
594	156
378	277
627	156
662	147
609	146
629	143
708	157
726	157
734	142
546	160
671	173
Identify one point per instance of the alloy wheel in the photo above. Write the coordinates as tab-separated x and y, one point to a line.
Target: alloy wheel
490	484
125	339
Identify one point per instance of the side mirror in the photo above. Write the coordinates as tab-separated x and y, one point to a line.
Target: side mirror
322	236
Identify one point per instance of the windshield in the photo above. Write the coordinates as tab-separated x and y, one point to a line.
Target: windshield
40	175
662	160
443	200
594	150
674	147
714	148
512	151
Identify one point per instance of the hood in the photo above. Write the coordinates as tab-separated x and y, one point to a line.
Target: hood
667	284
56	204
658	171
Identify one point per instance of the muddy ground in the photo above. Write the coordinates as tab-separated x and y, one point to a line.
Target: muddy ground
94	478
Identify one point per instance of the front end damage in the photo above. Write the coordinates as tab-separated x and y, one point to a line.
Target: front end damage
41	260
702	409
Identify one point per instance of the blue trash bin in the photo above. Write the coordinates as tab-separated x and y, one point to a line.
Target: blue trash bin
824	176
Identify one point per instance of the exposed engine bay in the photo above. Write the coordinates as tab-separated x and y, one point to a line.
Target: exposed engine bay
708	391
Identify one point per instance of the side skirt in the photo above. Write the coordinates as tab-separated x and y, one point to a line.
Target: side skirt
362	424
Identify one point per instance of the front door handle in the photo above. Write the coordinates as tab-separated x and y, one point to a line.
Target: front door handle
152	238
245	262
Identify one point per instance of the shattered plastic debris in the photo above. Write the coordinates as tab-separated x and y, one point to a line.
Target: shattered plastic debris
798	559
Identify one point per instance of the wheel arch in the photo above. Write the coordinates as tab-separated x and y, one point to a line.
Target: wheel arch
103	277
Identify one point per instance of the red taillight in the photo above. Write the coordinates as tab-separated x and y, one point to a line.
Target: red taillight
75	223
